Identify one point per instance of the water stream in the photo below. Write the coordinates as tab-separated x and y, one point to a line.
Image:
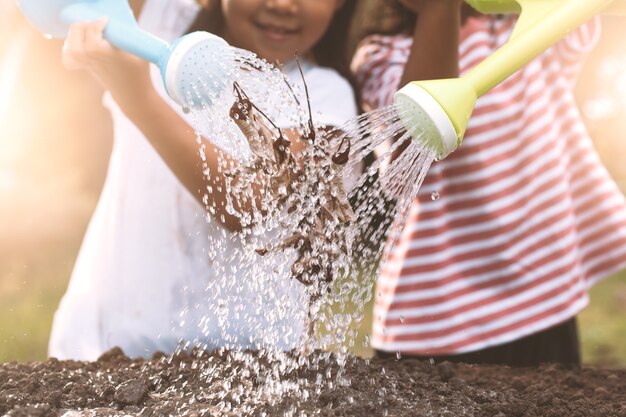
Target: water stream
298	276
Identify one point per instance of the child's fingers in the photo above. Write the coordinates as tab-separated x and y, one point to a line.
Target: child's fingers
85	44
73	56
95	44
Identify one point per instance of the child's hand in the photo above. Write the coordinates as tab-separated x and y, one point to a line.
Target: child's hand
125	76
419	6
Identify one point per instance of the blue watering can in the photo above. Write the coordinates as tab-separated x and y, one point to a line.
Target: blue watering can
183	63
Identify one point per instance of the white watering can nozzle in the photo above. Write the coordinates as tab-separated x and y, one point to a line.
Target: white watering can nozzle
196	71
425	120
436	112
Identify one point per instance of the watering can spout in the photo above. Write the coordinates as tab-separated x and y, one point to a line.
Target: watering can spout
437	111
53	18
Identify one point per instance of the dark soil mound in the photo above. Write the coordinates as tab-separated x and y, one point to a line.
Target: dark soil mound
219	383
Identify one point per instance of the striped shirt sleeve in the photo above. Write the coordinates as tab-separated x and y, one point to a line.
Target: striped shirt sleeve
378	71
572	50
580	42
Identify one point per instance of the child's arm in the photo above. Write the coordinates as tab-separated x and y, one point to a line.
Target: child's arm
435	50
128	80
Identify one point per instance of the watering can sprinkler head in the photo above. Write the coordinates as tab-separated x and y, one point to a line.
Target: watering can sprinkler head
183	63
436	112
193	59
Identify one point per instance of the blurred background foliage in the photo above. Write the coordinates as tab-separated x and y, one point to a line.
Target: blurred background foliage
55	140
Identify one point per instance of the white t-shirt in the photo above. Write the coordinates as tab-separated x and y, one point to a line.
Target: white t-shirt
146	276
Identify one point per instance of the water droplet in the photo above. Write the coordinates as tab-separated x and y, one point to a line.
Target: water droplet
434	196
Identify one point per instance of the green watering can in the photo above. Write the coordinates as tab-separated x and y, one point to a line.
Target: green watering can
438	111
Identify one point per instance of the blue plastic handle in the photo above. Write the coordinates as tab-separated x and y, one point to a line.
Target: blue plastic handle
122	30
137	42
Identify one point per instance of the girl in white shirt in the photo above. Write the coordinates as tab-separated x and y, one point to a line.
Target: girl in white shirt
151	272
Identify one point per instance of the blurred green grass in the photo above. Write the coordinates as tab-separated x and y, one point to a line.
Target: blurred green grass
30	290
602	325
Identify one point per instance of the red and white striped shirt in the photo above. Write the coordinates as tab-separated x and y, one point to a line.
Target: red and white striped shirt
527	220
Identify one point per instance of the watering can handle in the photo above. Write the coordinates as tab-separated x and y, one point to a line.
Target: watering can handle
495	6
538	33
617	8
121	31
531	11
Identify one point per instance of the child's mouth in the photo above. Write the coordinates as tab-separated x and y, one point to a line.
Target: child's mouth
276	33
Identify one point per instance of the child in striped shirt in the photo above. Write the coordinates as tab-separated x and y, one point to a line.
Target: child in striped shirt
497	268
